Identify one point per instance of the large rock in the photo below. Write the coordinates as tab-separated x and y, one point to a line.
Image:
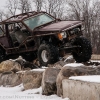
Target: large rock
10	79
16	65
25	64
32	79
57	65
76	70
80	90
49	81
9	65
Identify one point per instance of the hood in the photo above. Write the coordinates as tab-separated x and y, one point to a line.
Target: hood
61	26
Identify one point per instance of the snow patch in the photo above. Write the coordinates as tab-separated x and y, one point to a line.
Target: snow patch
40	69
95	61
90	78
16	93
70	57
22	72
19	58
74	65
44	67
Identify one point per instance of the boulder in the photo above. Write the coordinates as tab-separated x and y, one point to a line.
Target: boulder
9	65
16	65
57	65
25	64
76	70
49	81
10	79
80	90
32	79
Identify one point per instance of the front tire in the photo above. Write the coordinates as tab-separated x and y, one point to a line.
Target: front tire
47	54
83	54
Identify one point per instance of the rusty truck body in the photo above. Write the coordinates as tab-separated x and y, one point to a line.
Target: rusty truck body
42	36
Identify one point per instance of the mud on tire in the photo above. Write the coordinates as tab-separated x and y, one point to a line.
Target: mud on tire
84	53
47	54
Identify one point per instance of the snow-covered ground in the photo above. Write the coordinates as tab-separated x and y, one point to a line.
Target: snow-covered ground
90	78
17	93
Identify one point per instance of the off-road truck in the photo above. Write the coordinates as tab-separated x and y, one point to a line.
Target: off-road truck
38	34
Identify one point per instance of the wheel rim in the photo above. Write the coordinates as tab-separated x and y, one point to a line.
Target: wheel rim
44	56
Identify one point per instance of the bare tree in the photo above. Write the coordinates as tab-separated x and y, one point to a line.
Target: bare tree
38	4
54	7
80	10
12	6
88	11
1	15
24	6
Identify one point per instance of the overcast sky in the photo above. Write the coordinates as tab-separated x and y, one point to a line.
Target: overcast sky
2	3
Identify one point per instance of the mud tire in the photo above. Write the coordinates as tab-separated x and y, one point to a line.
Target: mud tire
47	54
84	53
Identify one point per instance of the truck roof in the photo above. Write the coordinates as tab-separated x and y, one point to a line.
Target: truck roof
20	17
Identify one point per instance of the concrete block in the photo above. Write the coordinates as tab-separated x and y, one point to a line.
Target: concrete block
80	90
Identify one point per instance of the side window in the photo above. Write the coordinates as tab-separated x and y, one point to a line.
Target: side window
1	32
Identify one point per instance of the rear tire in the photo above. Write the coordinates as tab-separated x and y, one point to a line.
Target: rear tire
84	53
47	54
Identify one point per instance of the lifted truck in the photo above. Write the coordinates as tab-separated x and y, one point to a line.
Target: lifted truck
40	35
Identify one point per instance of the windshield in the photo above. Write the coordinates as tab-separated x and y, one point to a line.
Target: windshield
38	20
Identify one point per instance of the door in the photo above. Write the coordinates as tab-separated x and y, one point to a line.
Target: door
3	39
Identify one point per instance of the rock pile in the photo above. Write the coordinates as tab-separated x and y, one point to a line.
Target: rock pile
9	71
15	72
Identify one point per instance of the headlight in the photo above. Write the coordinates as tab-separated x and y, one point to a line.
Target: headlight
62	35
